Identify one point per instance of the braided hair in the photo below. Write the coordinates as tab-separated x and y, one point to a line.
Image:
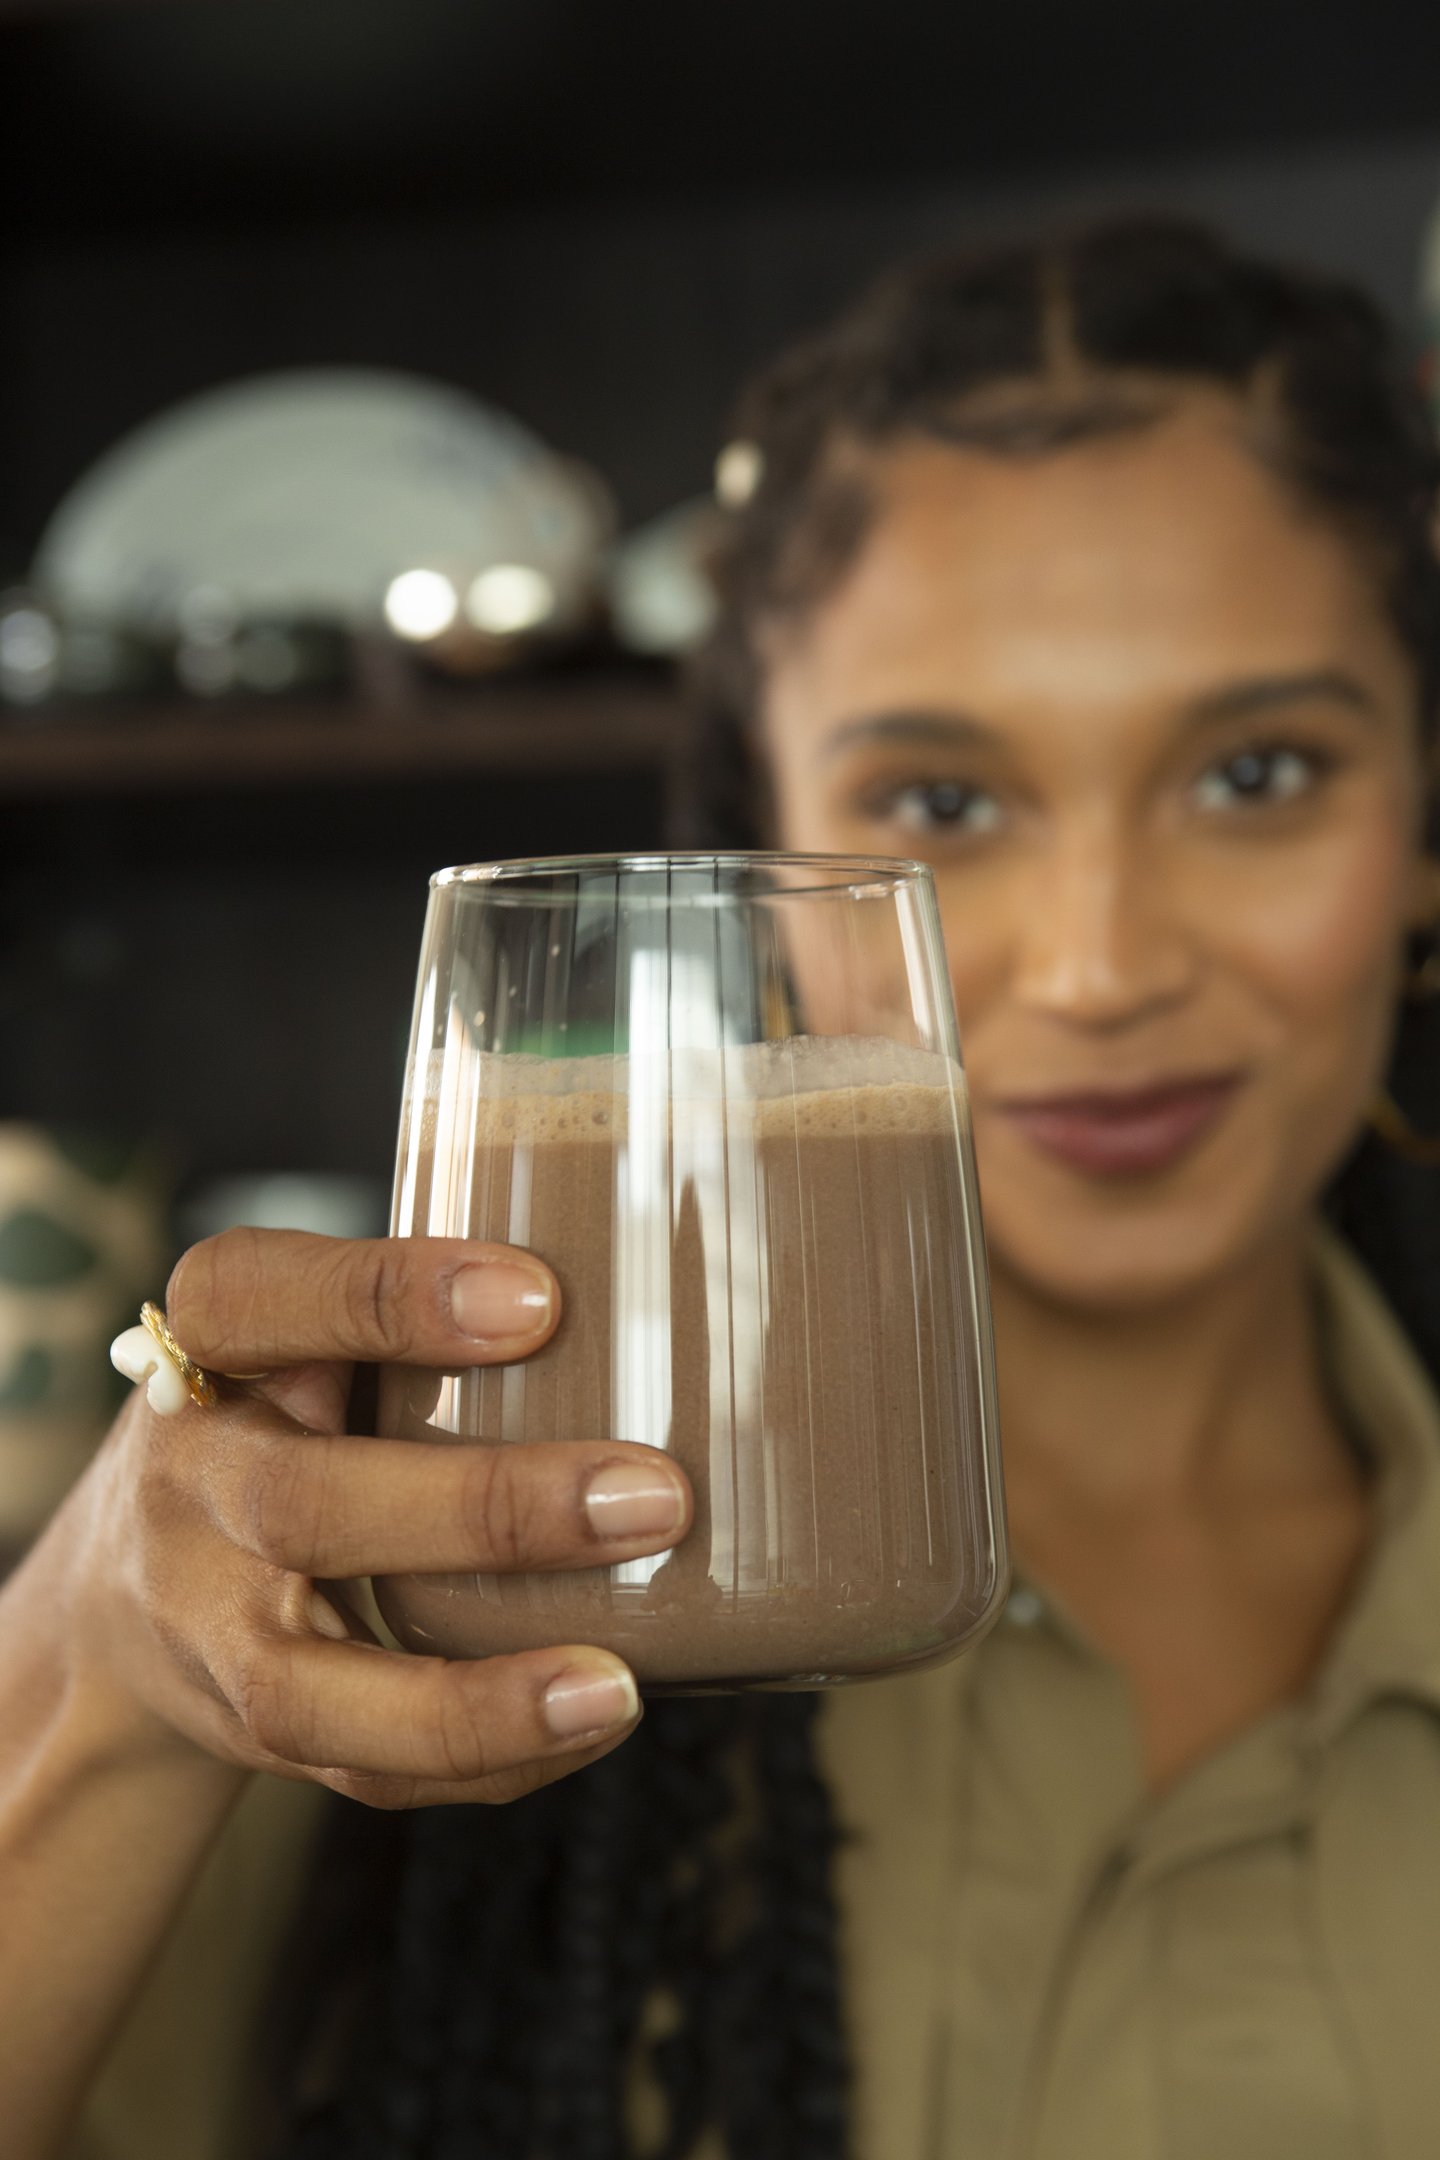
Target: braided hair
483	1985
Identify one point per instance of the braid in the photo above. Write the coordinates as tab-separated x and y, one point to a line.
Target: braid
800	1839
588	2018
426	1940
499	1999
785	2006
1024	348
694	1794
509	1979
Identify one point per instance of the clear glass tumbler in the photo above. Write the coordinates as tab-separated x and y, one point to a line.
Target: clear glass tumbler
722	1096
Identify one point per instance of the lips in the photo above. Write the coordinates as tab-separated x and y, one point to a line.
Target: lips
1118	1135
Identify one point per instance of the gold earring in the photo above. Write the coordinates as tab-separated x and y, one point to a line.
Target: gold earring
1423	982
1396	1130
1386	1116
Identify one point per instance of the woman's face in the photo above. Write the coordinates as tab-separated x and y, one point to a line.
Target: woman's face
1148	721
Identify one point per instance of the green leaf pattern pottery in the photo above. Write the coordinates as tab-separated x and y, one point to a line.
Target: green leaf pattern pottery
82	1241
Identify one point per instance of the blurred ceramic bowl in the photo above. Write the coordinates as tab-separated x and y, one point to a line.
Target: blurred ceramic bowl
82	1242
326	1204
353	497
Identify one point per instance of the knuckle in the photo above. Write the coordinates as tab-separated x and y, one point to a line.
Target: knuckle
262	1699
459	1733
157	1496
284	1505
210	1286
498	1506
371	1279
178	1642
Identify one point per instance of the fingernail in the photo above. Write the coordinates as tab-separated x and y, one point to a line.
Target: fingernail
586	1701
630	1500
324	1618
493	1298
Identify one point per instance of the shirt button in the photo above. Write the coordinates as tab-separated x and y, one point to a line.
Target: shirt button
1024	1607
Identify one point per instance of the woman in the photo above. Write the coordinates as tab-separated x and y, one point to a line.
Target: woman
1100	573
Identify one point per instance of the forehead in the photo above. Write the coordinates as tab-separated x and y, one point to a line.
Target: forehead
1143	565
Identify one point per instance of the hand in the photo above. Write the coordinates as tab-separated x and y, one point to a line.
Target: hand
199	1540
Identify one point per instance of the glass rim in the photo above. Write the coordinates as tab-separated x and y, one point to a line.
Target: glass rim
891	873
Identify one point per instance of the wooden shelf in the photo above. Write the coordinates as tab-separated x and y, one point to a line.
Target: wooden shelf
566	722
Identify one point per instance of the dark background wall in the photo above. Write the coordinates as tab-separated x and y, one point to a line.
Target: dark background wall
601	215
619	329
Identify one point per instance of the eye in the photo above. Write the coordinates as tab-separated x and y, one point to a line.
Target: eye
931	806
1262	774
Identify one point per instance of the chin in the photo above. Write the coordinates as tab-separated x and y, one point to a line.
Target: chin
1110	1253
1115	1278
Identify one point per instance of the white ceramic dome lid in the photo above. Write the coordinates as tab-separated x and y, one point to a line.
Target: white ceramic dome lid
305	493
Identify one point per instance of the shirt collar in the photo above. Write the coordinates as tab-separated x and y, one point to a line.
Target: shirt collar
1388	1644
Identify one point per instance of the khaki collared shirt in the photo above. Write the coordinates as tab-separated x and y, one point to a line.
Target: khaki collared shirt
1042	1963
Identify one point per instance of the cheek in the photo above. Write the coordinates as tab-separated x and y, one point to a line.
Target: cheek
1316	938
1296	957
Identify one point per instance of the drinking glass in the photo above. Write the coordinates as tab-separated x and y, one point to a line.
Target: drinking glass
722	1096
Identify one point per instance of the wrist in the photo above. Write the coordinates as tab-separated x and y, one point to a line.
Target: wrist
106	1816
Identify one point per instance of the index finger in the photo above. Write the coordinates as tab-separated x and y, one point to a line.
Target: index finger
251	1300
336	1506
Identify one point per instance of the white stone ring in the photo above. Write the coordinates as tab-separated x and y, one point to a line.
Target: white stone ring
150	1354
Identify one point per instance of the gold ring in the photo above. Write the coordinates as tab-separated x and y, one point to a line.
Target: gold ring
197	1380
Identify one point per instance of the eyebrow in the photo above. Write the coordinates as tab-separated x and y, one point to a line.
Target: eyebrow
1316	686
1233	701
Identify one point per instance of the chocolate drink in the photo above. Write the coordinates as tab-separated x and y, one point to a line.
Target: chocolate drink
782	1296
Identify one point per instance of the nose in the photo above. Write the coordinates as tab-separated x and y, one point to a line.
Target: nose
1102	944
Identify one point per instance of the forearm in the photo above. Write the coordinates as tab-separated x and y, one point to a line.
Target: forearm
104	1821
